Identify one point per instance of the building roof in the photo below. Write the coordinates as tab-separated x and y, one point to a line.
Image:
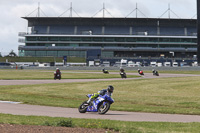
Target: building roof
33	21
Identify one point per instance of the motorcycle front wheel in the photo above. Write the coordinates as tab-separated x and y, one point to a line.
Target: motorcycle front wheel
83	107
103	108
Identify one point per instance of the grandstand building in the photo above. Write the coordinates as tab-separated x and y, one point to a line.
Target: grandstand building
111	38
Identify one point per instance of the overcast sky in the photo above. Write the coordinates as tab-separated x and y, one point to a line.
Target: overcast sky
11	12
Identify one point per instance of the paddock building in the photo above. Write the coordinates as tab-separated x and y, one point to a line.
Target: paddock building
110	38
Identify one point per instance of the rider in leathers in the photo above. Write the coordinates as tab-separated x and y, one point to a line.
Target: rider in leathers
107	91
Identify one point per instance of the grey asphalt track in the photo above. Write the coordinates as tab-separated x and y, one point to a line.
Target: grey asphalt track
23	109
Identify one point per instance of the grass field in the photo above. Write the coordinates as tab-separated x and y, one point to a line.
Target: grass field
161	95
121	126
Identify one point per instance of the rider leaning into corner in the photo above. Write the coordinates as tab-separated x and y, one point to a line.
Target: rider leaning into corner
107	91
154	71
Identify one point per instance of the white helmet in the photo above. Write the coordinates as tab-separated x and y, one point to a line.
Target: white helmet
57	68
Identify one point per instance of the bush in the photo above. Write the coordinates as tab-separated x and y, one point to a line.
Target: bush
64	123
61	123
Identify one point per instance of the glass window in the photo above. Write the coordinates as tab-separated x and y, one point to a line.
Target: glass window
97	39
53	38
75	39
42	39
41	53
29	53
194	40
131	39
64	38
142	39
108	39
51	53
153	39
107	53
86	39
119	39
31	38
175	40
164	39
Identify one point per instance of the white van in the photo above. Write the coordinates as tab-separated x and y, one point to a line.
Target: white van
123	63
153	64
106	63
131	64
159	64
167	64
175	64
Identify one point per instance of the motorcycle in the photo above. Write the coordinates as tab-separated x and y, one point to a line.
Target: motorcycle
123	74
57	76
141	72
105	71
156	73
101	104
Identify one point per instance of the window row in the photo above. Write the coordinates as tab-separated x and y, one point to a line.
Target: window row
113	45
113	39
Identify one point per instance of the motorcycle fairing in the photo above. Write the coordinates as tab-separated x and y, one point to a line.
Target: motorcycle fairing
94	107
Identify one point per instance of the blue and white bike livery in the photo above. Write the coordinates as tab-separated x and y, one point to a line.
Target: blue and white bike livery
101	104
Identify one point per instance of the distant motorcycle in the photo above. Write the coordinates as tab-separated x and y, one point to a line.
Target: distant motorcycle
105	71
155	73
57	76
100	104
123	75
140	72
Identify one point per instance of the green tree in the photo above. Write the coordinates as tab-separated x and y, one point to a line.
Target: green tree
12	54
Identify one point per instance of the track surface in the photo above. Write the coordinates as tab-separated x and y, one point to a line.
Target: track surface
23	109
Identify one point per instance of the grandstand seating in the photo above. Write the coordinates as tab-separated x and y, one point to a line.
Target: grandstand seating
150	30
172	31
116	30
96	30
40	29
61	30
191	31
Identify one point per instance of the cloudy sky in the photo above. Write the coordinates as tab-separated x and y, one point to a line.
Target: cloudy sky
11	12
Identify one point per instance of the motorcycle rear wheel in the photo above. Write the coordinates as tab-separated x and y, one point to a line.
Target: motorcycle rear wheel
104	108
83	108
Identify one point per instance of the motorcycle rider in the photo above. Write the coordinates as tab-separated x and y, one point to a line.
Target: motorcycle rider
138	70
104	70
57	72
107	91
121	70
154	71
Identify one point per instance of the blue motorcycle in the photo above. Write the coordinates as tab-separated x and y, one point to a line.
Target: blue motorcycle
101	104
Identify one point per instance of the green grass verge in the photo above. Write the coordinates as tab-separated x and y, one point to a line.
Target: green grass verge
163	95
41	74
121	126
